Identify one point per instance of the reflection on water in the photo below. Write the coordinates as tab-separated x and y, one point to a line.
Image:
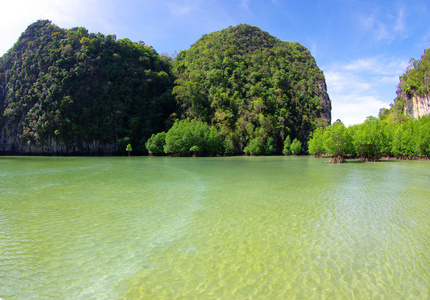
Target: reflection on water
234	227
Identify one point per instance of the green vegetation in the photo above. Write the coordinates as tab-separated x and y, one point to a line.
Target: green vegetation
296	147
287	146
373	139
241	88
393	134
254	89
155	144
416	80
186	137
238	90
337	141
292	148
128	149
75	88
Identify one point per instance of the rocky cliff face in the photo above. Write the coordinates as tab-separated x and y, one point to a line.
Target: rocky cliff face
12	144
325	101
413	92
417	107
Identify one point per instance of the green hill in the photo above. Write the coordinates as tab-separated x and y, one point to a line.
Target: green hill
73	92
68	91
252	87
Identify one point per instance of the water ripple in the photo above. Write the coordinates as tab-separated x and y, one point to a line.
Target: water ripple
225	228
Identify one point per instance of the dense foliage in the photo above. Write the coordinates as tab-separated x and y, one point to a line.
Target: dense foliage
373	139
393	134
254	89
239	90
75	87
415	82
186	137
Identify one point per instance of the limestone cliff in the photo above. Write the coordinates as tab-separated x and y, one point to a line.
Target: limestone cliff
417	106
325	102
12	143
413	92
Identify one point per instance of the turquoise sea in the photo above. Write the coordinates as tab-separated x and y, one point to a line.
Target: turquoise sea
213	228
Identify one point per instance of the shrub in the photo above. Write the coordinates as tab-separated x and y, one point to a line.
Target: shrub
187	137
296	147
287	146
155	144
254	147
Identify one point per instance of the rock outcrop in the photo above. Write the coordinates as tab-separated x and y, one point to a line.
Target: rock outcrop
413	92
11	143
325	102
417	107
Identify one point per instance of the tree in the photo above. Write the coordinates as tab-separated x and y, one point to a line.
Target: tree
423	143
268	147
405	139
192	136
195	149
337	142
155	144
228	145
213	141
254	147
287	146
316	143
296	147
369	139
122	143
129	149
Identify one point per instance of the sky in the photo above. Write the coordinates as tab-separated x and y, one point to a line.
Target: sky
363	47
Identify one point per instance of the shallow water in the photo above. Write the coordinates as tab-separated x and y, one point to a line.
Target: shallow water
227	228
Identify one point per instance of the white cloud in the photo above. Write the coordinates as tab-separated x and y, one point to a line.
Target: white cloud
244	4
372	24
343	81
393	80
19	14
182	8
362	87
400	25
384	24
354	109
377	65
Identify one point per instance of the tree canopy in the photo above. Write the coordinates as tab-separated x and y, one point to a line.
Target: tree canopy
416	79
393	134
76	87
241	87
373	139
254	88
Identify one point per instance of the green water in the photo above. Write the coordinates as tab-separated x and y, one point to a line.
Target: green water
204	228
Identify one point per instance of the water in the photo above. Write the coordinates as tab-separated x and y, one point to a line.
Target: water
205	228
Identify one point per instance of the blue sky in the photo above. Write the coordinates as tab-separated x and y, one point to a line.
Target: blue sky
361	46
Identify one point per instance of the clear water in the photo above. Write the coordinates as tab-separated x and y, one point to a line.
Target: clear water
204	228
